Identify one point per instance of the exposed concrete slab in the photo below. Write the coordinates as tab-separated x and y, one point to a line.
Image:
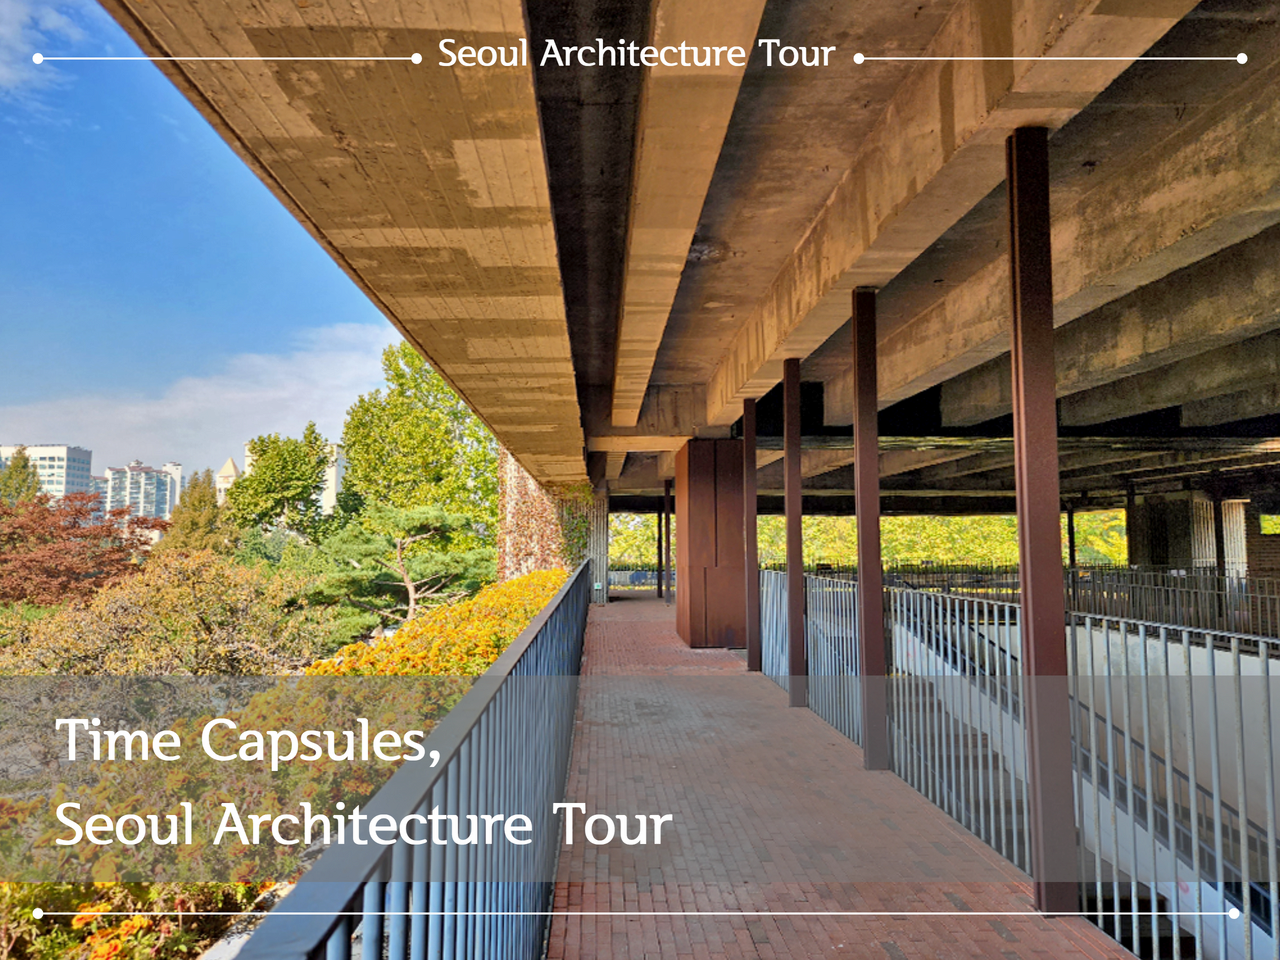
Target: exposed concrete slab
1226	298
684	113
1263	401
1250	364
446	225
937	151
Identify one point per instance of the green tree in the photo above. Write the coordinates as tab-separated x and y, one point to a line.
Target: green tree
393	562
19	481
284	485
198	522
415	444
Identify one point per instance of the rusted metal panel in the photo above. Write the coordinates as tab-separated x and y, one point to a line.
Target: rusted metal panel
866	469
797	667
1035	436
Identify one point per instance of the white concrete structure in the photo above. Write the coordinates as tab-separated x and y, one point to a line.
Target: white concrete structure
228	475
62	469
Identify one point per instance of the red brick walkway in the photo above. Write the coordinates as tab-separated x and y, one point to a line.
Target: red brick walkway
773	812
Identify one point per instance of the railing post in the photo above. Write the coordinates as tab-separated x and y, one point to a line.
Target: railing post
866	488
797	669
750	540
1035	438
658	546
666	536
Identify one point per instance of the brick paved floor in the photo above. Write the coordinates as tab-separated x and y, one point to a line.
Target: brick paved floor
773	813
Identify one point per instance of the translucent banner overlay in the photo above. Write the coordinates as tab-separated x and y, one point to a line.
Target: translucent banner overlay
670	779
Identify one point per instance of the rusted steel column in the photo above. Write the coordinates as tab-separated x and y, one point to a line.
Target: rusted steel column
750	542
1035	439
666	537
866	488
658	517
797	666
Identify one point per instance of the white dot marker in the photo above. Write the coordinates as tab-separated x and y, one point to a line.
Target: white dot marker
1242	58
417	57
37	912
1233	913
39	58
858	58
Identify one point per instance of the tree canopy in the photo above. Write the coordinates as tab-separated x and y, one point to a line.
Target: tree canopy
415	444
19	480
198	522
284	484
53	551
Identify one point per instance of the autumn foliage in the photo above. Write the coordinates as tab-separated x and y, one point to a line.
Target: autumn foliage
458	639
54	551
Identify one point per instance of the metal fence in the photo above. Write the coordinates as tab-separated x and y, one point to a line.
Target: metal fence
1194	598
1173	746
835	662
773	627
955	712
505	746
1174	750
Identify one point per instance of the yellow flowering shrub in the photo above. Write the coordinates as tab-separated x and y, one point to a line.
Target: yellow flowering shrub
457	639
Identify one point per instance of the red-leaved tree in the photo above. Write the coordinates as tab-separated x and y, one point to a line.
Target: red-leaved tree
54	551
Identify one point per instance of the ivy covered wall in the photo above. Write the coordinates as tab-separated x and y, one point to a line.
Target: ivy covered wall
541	528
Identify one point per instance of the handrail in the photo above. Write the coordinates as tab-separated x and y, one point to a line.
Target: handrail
328	891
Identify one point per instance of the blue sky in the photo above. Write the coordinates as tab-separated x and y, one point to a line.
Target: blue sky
156	302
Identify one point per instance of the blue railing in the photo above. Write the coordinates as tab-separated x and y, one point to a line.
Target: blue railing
504	747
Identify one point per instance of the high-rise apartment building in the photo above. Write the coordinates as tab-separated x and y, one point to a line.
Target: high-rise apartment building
145	491
62	469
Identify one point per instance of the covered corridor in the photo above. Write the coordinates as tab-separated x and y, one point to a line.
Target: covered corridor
774	814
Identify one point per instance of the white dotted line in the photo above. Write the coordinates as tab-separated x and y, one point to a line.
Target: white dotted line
41	58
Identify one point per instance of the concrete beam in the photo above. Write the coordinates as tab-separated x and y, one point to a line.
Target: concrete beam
684	113
1231	296
445	225
638	443
1144	223
615	460
937	150
1250	364
1263	401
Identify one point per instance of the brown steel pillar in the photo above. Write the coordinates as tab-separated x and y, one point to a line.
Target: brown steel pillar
866	488
1035	440
750	541
658	516
666	537
797	668
1219	535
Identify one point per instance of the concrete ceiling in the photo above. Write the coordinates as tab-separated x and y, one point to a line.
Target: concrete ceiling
605	262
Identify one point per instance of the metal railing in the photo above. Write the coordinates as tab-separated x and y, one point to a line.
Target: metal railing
505	746
773	627
1194	598
835	662
1174	749
955	714
1179	754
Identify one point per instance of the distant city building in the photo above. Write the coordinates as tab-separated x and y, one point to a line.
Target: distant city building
62	469
144	491
333	475
228	475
